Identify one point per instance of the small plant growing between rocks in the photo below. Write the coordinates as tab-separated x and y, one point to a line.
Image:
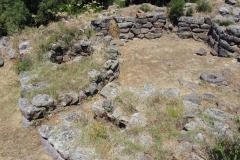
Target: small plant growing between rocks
224	22
145	8
189	12
204	6
175	10
24	65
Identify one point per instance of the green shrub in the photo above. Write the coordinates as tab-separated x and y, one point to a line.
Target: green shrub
191	1
13	16
189	12
226	150
204	6
24	65
224	22
145	8
175	10
47	11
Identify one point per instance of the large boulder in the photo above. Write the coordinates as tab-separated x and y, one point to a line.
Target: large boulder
29	111
110	91
42	101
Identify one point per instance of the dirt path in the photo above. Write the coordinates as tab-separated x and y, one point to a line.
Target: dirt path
16	142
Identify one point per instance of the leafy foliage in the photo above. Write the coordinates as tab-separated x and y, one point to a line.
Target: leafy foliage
13	16
175	10
226	150
24	65
189	12
204	6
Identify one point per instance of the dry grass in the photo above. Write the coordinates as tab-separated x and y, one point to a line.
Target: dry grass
16	141
162	127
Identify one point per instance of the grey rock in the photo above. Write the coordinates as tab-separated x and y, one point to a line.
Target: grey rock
185	35
119	19
112	53
191	110
29	111
94	75
93	89
77	48
61	138
232	2
123	36
156	30
213	52
212	77
124	30
130	35
148	90
85	43
189	85
141	21
225	9
1	62
171	93
26	89
131	19
195	20
25	77
193	97
74	98
137	120
136	31
107	105
125	25
111	64
182	29
97	108
110	91
201	52
150	35
144	30
82	154
158	24
12	53
147	25
182	24
209	97
219	114
42	100
26	123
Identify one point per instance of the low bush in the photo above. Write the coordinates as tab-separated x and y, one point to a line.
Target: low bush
224	22
175	10
226	150
190	12
204	6
145	8
24	65
13	16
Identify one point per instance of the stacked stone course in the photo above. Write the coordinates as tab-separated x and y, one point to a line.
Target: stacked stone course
224	41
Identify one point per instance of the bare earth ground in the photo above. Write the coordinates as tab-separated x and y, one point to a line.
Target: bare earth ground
159	62
16	142
163	61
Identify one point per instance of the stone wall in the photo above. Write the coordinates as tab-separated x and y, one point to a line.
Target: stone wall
144	25
194	27
224	41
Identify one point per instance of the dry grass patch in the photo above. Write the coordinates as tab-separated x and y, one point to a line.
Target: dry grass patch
162	115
